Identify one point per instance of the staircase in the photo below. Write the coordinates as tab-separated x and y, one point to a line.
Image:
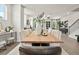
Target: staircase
74	29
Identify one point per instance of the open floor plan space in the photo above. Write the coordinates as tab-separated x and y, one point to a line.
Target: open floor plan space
39	29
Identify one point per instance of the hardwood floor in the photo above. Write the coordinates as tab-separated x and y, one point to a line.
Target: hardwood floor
9	48
71	46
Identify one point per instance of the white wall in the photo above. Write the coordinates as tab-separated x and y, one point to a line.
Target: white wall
18	19
9	14
22	17
28	11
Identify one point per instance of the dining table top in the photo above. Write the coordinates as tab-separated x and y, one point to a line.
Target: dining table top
34	38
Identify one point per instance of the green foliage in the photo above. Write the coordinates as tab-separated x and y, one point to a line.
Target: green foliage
8	28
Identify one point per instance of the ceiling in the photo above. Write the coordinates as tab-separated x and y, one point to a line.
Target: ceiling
52	9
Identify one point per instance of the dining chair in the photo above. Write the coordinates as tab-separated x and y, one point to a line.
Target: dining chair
25	33
56	33
49	30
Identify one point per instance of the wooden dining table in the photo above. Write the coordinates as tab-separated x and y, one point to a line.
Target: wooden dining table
34	38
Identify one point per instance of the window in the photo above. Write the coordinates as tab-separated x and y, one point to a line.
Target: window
3	13
3	16
47	24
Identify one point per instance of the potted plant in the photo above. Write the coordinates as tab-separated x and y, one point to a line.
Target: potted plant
8	28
